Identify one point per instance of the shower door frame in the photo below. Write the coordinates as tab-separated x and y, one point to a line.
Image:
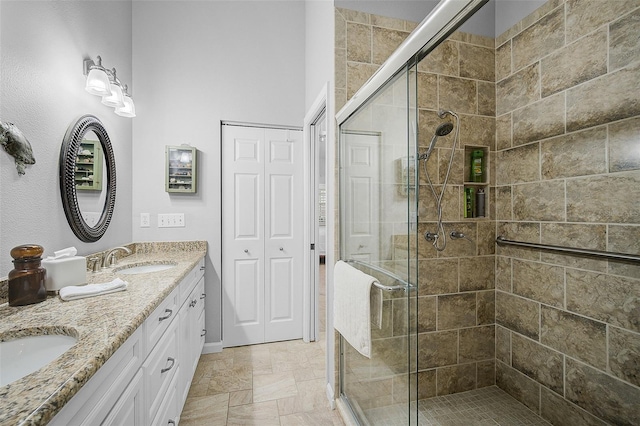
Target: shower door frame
427	36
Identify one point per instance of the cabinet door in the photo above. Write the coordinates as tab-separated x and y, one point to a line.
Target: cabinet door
160	368
168	414
181	169
129	409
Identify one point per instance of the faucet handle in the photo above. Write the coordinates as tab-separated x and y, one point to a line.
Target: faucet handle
456	235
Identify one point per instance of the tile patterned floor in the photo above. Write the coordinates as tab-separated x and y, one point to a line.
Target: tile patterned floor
489	406
280	383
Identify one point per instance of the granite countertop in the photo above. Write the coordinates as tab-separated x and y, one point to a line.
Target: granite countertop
101	324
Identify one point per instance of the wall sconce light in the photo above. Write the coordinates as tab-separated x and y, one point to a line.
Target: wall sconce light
127	109
103	82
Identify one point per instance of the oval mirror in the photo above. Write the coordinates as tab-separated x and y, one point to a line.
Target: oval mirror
87	178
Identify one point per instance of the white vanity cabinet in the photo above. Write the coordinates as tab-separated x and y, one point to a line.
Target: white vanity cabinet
146	381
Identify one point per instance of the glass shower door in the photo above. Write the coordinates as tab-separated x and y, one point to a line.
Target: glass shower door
378	214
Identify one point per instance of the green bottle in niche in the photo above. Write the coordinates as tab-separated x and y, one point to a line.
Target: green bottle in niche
477	166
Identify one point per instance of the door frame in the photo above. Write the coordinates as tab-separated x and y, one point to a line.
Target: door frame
310	327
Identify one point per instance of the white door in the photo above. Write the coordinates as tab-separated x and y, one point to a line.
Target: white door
262	245
362	188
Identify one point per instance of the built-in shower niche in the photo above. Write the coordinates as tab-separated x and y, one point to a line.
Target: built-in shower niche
476	190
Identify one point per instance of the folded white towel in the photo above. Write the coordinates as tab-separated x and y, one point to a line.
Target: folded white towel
352	306
74	292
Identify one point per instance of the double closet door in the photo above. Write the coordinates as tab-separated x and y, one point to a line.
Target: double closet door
262	241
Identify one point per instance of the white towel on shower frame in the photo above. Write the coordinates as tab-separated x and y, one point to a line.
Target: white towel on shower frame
352	306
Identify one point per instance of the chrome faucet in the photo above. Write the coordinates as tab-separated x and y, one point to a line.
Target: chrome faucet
109	258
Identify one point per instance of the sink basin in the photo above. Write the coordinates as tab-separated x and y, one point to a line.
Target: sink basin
144	269
24	355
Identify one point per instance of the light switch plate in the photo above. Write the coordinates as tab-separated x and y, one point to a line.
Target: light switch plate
171	220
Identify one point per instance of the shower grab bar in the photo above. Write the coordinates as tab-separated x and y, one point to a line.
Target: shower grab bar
627	257
405	285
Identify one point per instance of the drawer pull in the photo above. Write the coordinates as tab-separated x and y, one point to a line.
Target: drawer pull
173	361
171	422
166	316
202	296
204	332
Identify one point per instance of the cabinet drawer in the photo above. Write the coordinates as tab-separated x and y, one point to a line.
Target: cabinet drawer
160	367
168	412
160	319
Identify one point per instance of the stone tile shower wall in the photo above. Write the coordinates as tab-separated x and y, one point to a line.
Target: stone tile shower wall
456	331
567	173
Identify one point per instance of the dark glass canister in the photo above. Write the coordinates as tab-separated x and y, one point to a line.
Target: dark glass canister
26	280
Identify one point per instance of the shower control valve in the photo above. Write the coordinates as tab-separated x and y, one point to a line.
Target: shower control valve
430	236
456	235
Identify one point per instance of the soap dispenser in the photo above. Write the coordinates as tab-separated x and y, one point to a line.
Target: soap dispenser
27	279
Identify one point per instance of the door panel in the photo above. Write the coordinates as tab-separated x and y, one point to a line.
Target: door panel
262	235
242	236
281	203
246	217
281	297
284	240
246	298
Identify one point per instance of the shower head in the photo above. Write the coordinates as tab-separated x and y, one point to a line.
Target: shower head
442	130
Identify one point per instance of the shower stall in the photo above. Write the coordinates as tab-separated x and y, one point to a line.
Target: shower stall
449	145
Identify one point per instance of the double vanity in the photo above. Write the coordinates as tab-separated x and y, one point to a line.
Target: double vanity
132	353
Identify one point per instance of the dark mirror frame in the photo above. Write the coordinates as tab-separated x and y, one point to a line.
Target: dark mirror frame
68	152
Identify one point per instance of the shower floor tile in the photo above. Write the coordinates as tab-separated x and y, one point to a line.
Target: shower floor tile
488	406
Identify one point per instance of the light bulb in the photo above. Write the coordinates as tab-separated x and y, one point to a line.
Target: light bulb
115	99
128	110
98	82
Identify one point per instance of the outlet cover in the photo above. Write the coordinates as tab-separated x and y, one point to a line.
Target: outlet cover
145	220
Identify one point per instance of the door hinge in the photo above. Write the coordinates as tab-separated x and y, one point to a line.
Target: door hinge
313	246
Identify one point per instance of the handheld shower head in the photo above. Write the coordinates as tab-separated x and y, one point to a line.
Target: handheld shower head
442	130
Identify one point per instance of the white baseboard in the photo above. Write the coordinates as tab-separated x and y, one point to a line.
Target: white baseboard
331	396
212	348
